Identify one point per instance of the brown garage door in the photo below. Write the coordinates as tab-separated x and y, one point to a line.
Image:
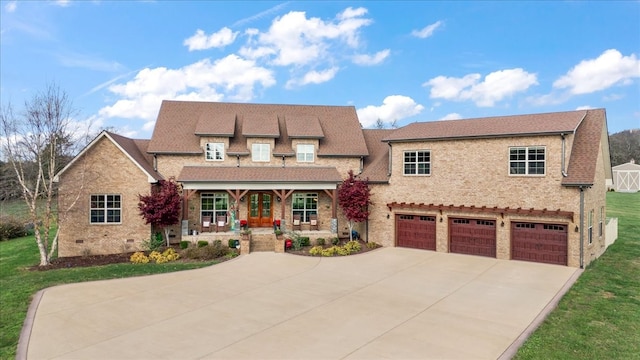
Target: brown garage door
545	243
472	236
416	231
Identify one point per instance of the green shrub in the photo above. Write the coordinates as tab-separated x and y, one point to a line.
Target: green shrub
202	243
184	244
330	251
155	243
335	240
217	242
232	243
305	241
320	241
11	228
139	258
373	245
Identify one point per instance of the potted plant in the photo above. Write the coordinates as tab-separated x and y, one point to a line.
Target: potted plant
246	234
278	233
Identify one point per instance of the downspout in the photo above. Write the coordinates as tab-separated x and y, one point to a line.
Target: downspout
389	170
581	227
563	171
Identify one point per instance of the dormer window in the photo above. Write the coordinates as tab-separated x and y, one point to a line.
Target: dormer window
260	152
305	152
214	152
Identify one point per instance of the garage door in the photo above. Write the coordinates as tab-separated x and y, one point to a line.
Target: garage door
545	243
472	236
416	231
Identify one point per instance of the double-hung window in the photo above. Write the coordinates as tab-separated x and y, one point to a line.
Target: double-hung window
305	204
590	227
601	222
214	151
417	162
260	152
106	209
214	205
527	160
305	152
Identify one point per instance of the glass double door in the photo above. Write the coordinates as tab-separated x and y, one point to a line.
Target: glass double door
260	209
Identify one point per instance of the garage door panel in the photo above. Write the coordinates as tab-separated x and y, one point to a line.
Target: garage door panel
416	231
545	243
472	236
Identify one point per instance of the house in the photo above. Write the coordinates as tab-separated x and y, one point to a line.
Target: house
626	177
525	187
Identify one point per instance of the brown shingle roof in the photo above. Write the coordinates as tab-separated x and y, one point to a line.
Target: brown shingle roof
137	150
515	125
216	124
259	174
260	125
304	127
376	165
586	147
175	130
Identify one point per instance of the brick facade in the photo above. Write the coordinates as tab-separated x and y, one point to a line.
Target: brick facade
103	170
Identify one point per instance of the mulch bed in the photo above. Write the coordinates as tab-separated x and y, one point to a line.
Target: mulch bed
97	260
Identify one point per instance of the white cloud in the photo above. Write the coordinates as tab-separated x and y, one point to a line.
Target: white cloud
427	31
367	60
63	3
314	77
202	41
495	87
394	107
451	116
608	69
294	39
230	77
260	15
584	107
11	6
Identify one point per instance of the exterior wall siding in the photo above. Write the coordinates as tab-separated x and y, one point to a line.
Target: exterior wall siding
104	169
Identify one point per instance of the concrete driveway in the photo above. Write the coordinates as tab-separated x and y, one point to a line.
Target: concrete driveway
392	303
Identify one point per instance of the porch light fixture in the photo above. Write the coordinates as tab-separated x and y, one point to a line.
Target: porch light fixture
278	199
441	217
502	224
242	199
577	228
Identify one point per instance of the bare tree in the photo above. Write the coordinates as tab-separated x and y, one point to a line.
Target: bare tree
34	144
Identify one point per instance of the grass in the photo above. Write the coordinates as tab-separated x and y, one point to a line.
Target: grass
599	318
18	284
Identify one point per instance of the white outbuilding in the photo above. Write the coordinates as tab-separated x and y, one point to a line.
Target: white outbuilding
626	177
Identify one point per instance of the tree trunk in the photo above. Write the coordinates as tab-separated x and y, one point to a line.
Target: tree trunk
166	235
44	258
350	230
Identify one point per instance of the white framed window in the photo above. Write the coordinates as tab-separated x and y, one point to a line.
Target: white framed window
590	227
214	205
305	152
214	151
260	152
417	162
105	209
305	204
527	160
601	222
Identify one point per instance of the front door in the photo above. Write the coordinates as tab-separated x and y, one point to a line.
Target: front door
260	209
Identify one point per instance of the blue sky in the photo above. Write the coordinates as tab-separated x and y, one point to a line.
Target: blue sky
394	61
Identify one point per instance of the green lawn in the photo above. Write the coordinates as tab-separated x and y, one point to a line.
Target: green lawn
599	318
18	284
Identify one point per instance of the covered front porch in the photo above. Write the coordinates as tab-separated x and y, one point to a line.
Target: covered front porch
215	207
